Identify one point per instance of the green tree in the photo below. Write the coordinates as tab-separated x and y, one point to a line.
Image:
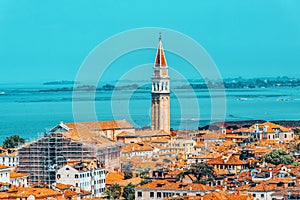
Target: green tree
126	167
143	172
128	192
145	181
279	156
114	191
201	171
13	141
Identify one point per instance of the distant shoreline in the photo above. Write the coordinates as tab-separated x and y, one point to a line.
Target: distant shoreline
248	123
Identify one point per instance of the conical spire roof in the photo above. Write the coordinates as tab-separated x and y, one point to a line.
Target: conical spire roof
160	60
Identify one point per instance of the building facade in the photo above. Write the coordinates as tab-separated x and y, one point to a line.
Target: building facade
89	176
9	159
160	92
4	174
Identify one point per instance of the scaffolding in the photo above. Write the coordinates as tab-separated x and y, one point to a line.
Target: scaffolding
41	158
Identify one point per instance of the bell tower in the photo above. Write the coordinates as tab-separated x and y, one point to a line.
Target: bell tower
160	92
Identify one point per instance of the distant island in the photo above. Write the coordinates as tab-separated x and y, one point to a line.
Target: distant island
238	83
228	83
61	83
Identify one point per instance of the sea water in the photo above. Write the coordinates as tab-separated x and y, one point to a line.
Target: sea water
31	109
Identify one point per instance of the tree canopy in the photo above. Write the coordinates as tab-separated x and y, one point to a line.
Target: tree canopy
128	192
126	167
143	172
114	191
13	141
201	173
279	156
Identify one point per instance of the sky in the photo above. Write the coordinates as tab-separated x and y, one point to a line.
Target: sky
48	40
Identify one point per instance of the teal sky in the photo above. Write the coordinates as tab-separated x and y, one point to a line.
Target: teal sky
48	40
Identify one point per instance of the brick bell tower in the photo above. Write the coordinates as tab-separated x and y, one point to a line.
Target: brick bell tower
160	92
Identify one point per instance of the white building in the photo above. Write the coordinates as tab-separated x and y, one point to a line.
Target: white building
161	189
263	191
182	144
18	179
11	177
4	174
141	149
272	131
86	175
9	159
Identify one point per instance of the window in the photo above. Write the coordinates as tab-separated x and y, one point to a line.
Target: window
76	175
262	195
58	176
165	194
140	194
285	136
151	194
158	194
254	195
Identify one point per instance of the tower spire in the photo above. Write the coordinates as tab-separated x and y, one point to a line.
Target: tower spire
160	60
160	91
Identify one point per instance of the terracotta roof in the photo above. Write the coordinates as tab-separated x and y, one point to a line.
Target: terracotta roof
213	135
69	193
232	160
21	192
166	185
263	187
16	175
62	186
160	60
160	140
112	178
4	167
199	144
226	196
123	183
235	136
143	134
243	187
134	147
101	125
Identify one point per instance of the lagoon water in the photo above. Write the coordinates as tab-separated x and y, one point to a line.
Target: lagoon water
28	111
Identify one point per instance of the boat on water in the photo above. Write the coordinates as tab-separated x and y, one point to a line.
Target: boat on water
284	99
1	93
242	99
